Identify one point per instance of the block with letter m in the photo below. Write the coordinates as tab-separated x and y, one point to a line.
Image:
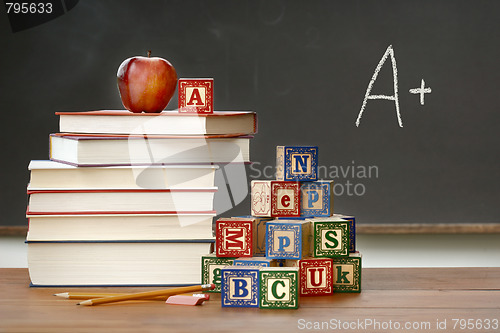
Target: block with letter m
296	163
236	237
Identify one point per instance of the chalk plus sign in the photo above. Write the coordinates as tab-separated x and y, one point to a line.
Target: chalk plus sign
422	90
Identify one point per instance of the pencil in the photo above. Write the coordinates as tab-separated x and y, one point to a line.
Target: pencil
134	296
84	296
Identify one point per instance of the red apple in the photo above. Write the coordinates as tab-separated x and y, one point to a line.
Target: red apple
146	84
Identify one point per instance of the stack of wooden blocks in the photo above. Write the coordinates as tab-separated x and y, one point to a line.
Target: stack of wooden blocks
292	245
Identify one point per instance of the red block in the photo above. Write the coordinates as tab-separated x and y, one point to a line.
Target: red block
196	95
235	238
316	276
285	199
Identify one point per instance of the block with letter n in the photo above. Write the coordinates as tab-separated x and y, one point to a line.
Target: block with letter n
296	163
331	237
236	236
288	239
316	276
275	198
316	198
240	287
196	95
279	288
211	267
347	274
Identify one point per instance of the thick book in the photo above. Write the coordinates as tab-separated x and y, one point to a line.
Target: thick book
52	175
122	227
81	150
139	263
164	201
163	123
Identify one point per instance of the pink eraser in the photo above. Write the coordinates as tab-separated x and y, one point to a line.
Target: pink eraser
185	300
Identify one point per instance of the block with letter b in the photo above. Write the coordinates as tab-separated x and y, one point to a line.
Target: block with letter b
240	287
237	236
316	198
296	163
196	95
331	237
316	276
211	267
279	288
347	274
275	198
288	239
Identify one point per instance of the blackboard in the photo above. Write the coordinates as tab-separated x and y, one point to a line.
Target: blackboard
305	67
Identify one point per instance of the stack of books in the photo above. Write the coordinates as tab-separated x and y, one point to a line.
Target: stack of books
128	198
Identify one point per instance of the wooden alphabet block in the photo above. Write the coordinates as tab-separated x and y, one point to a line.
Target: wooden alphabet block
211	270
237	236
275	198
288	239
316	198
196	95
260	245
352	230
296	163
240	287
255	261
347	274
331	237
279	288
316	276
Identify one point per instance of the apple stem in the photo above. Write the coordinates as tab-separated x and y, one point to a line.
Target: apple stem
149	53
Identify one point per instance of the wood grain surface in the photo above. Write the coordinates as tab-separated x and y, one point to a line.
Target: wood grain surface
421	297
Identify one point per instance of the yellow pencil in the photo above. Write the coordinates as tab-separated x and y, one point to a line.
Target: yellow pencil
84	296
135	296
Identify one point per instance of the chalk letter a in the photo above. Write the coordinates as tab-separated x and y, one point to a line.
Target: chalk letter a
395	97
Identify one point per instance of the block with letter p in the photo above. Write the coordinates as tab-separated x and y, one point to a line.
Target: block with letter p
237	236
240	287
275	198
279	288
316	198
288	239
196	95
316	276
331	237
297	163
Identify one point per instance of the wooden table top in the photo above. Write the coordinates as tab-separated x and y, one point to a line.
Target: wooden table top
423	299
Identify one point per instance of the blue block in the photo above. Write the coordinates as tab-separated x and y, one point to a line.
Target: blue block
240	287
316	198
288	239
254	261
296	163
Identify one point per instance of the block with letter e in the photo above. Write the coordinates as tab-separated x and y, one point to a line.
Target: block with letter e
288	239
316	198
196	95
211	267
279	288
237	236
347	274
240	286
297	163
331	237
316	276
275	198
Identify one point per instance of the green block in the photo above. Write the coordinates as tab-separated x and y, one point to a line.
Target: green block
279	288
211	270
331	237
347	274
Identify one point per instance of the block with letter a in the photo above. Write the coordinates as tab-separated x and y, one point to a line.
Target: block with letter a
196	95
